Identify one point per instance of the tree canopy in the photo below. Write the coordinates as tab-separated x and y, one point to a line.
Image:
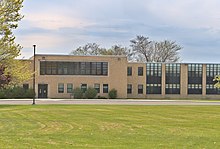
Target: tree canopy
141	49
12	71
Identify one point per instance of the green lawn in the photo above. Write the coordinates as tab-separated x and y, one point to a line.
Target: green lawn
104	126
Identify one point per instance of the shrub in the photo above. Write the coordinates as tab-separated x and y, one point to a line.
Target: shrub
112	94
77	93
16	93
90	93
29	93
101	97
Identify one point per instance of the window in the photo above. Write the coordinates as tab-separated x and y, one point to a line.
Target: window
97	87
140	71
73	68
84	87
26	86
140	89
60	88
105	88
129	71
69	88
172	79
211	71
153	81
194	78
129	88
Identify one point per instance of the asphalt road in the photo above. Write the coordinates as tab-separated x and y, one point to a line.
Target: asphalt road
107	102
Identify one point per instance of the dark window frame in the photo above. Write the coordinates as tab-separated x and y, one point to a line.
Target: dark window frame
60	87
73	68
129	71
153	78
69	88
105	88
129	88
140	88
140	71
195	75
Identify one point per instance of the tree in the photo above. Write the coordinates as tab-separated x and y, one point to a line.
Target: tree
95	49
88	49
166	51
9	50
141	47
151	51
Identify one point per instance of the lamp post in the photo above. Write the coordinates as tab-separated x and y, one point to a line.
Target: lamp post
34	77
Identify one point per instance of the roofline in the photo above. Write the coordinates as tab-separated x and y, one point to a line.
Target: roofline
123	56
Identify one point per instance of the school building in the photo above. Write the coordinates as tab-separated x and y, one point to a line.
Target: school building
57	75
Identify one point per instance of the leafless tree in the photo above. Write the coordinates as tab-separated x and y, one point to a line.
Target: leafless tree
151	51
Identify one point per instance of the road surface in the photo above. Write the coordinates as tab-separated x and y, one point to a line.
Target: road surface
107	102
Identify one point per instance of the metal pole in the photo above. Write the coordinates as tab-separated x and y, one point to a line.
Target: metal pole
34	76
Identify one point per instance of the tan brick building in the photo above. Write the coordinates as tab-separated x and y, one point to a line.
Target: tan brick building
58	75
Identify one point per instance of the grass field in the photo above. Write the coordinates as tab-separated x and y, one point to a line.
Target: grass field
118	127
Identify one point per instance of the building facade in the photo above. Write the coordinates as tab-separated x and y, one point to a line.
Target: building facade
57	75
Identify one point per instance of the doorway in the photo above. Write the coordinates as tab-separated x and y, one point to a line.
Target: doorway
42	90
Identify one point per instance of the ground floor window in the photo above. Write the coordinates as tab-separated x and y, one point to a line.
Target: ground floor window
105	88
97	87
129	88
172	88
69	87
140	89
60	88
153	89
194	88
84	87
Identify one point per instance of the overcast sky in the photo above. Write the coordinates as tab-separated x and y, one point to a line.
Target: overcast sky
60	26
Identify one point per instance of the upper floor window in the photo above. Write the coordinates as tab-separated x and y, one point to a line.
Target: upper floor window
140	71
73	68
129	71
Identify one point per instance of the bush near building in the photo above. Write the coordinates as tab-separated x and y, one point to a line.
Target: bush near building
112	94
77	93
16	93
90	93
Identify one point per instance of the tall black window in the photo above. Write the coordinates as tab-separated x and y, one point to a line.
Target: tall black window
140	88
69	87
172	78
129	71
194	78
129	88
84	87
154	73
105	88
73	68
97	87
140	71
211	71
60	88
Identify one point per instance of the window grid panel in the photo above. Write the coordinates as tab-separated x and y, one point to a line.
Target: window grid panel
73	68
153	75
195	78
211	71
